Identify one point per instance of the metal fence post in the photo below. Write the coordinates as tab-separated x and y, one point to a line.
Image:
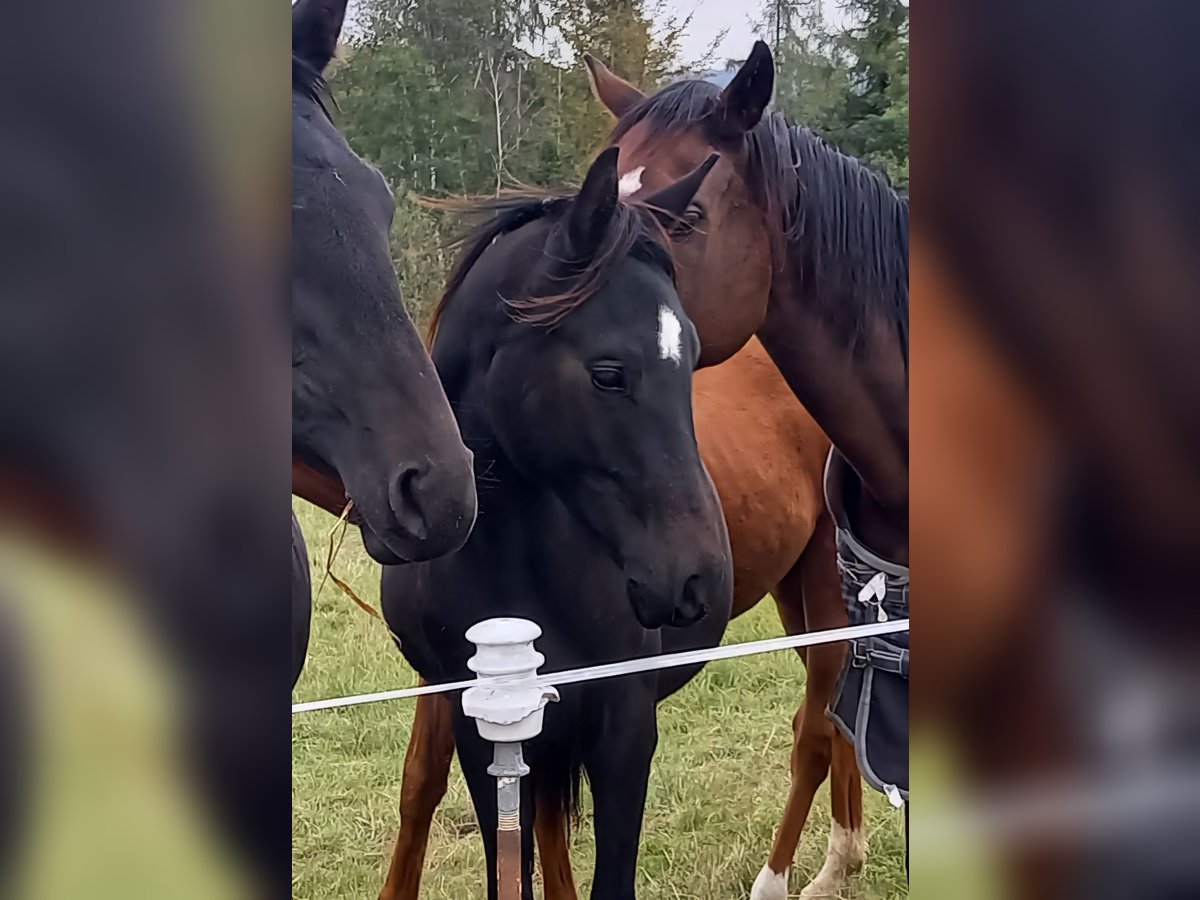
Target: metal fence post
507	708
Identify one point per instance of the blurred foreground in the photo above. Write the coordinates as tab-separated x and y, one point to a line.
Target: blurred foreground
109	810
144	447
1055	449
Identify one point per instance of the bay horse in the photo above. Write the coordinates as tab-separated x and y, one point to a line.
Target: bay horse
833	241
369	417
766	456
568	359
835	316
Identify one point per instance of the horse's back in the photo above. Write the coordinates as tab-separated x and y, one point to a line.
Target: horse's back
766	456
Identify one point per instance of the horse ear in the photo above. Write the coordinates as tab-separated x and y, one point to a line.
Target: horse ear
745	99
316	25
592	210
617	94
672	201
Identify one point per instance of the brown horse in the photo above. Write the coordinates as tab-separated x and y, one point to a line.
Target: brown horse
834	318
765	454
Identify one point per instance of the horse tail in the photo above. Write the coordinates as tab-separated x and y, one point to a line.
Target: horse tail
558	784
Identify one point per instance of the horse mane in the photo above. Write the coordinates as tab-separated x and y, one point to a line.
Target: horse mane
310	83
847	221
633	231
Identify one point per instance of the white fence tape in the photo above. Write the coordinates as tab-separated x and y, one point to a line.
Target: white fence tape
629	666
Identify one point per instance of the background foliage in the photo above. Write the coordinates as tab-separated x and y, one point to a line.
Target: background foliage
468	96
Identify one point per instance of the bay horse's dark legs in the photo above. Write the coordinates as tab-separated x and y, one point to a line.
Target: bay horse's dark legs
423	785
618	769
475	755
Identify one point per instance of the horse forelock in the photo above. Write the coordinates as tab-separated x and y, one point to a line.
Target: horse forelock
633	231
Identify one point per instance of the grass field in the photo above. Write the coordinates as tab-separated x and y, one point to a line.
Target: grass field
718	787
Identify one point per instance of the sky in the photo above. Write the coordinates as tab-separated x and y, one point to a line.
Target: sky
708	19
710	16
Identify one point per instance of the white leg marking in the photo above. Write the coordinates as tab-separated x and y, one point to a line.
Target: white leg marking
770	885
631	182
846	854
670	334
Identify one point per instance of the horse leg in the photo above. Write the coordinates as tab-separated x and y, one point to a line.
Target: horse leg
422	787
825	608
550	832
847	841
619	771
809	599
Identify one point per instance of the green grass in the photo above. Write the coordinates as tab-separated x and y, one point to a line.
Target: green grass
718	787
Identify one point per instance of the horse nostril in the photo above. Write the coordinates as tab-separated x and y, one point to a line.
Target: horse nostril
404	496
692	606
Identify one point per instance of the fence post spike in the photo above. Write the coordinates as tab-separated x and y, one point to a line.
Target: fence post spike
507	707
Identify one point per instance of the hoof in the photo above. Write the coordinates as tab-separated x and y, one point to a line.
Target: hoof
846	855
821	889
770	885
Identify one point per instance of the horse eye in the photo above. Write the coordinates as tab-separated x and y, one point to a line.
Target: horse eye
608	378
688	222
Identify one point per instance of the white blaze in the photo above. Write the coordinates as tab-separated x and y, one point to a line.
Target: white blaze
631	182
670	334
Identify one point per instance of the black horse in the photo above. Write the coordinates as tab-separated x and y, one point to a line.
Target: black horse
565	351
368	411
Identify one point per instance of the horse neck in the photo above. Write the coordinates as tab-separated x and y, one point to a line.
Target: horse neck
321	487
856	390
549	563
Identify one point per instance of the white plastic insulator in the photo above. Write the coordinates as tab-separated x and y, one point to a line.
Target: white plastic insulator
506	705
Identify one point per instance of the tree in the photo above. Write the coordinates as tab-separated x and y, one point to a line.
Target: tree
468	96
871	119
811	73
850	85
640	41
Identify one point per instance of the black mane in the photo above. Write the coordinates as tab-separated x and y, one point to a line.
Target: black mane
310	83
846	220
